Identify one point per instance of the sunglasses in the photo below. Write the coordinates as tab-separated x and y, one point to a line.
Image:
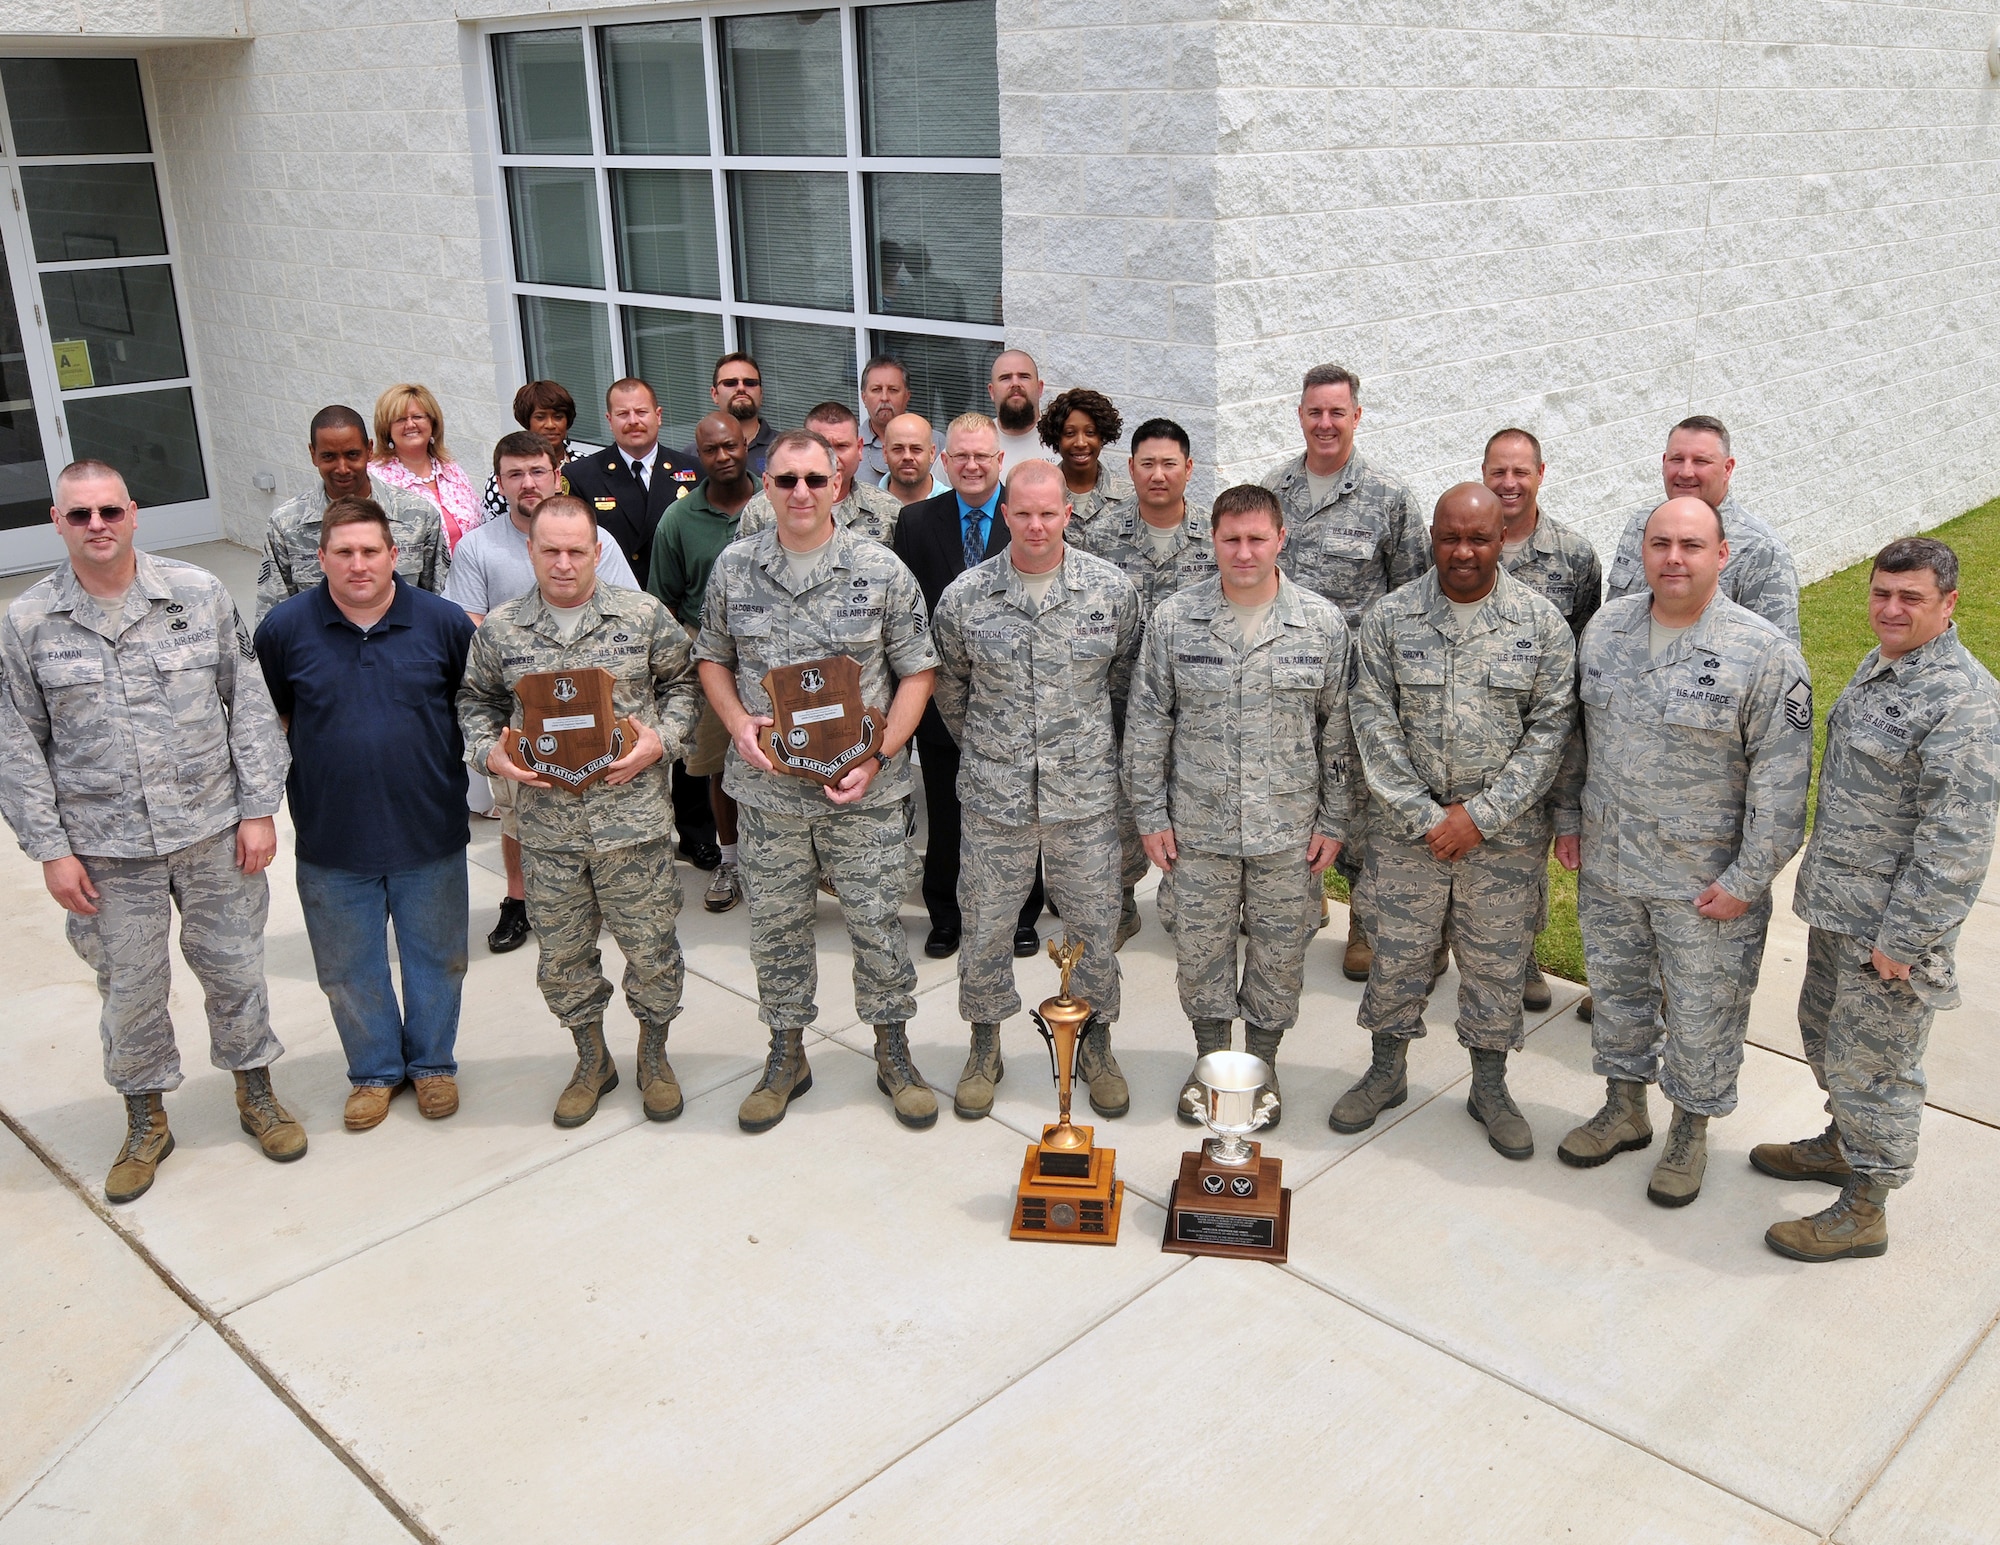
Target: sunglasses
741	381
110	514
790	480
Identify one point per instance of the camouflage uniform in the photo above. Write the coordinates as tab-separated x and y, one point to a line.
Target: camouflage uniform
1447	712
867	511
857	600
136	739
1241	746
1907	796
1113	487
1759	575
1114	536
291	544
1691	768
602	857
1027	695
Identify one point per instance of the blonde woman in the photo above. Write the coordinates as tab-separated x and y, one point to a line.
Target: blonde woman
410	450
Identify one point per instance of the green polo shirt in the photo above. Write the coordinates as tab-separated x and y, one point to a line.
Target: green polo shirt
691	536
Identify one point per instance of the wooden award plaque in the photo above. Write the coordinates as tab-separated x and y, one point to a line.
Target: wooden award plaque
1239	1210
822	727
570	731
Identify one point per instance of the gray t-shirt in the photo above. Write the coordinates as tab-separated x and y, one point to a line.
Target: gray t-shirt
568	618
1663	638
1159	540
1322	488
491	566
1039	585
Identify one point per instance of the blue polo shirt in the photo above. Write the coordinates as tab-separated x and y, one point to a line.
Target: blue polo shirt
378	764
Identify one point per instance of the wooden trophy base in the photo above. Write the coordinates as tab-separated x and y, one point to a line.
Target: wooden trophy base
1071	1195
1240	1210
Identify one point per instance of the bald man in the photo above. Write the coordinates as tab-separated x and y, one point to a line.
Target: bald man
1462	707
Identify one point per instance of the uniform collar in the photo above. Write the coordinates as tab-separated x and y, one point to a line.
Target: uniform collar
1212	606
1500	605
1917	661
149	584
771	556
1006	580
1349	476
541	619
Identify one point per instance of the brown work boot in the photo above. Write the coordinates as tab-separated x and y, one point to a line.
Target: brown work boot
896	1076
1622	1124
1677	1177
1857	1224
1384	1086
786	1077
367	1106
983	1071
1128	921
147	1142
596	1075
1490	1104
1811	1158
437	1096
1359	956
1586	1008
1209	1035
659	1090
1535	993
1098	1068
259	1113
1263	1045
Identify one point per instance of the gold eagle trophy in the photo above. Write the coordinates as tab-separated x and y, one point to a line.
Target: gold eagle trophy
1069	1188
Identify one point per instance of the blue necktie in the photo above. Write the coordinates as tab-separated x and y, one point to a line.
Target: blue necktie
975	549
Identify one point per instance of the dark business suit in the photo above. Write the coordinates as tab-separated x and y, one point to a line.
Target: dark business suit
930	539
630	515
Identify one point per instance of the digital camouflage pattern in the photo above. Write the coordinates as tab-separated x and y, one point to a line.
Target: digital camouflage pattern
222	939
870	512
856	600
137	732
1272	899
291	543
1864	1040
1759	576
635	638
863	850
1079	861
1561	566
1475	713
1241	748
573	895
1113	487
1028	693
1367	539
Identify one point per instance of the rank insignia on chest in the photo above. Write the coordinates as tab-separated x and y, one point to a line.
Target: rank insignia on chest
605	504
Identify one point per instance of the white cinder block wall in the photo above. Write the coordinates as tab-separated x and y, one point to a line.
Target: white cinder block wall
1590	218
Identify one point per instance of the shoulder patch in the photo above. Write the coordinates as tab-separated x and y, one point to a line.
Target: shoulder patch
1798	704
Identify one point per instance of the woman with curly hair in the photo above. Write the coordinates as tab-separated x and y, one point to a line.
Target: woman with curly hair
547	409
1077	426
410	454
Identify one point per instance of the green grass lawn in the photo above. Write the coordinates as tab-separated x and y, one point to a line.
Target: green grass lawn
1833	617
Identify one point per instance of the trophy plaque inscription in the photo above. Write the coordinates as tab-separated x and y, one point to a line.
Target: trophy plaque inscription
822	728
570	730
1229	1199
1070	1190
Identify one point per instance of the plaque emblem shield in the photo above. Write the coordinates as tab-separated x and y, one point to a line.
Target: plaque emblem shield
570	730
822	728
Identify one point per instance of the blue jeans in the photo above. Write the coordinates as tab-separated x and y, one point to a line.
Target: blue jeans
347	918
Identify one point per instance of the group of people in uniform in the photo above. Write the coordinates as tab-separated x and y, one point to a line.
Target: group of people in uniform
1312	675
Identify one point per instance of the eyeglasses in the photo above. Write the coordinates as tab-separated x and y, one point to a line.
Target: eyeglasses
971	456
110	514
741	381
790	480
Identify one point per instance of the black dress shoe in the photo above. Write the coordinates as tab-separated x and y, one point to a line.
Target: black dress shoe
511	932
705	856
942	942
1026	942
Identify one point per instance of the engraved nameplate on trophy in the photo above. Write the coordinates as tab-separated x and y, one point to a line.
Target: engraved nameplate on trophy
1069	1189
570	731
1229	1199
822	728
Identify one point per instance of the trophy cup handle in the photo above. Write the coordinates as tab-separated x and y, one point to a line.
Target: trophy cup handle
1049	1036
1266	1103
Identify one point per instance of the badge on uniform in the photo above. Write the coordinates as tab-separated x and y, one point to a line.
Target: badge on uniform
1798	704
570	730
821	727
605	506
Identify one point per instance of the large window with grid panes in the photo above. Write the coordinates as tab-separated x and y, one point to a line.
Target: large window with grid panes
810	186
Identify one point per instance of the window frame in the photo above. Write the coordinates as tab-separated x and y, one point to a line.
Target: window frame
860	318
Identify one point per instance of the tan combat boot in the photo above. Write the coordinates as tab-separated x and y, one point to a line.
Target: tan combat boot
1128	920
596	1075
1098	1068
1490	1104
1857	1224
147	1142
659	1090
1263	1044
1586	1007
786	1077
983	1071
896	1076
1209	1035
1620	1126
1535	993
1384	1086
1811	1158
1677	1177
1359	956
260	1114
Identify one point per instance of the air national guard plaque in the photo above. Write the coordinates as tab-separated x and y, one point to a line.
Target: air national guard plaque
821	729
570	731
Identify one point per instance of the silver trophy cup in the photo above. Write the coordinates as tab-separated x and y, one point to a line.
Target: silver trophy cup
1230	1107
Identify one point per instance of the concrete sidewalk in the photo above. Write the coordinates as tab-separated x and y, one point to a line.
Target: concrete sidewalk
491	1330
